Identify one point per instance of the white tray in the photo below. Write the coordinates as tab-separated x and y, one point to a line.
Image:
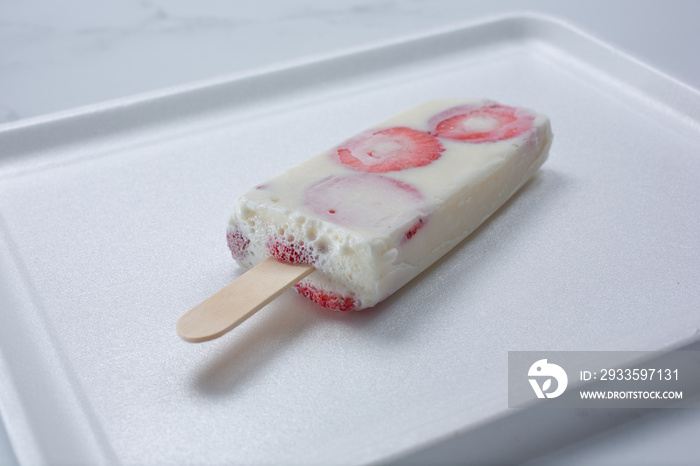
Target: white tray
112	223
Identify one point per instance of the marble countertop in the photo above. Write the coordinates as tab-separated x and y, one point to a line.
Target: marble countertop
58	55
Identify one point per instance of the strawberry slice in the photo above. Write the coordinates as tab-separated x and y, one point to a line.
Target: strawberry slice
294	252
237	242
414	229
364	200
478	124
327	299
390	149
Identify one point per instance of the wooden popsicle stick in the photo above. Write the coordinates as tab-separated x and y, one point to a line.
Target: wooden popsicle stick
240	299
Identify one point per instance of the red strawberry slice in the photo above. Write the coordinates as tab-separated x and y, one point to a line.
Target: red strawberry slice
414	229
478	124
390	149
237	242
364	200
288	251
327	299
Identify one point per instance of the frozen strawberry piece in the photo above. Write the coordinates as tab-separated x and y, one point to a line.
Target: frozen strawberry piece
364	200
294	252
237	243
328	300
414	229
479	124
390	149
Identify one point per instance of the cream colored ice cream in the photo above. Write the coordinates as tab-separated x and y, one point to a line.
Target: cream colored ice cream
377	210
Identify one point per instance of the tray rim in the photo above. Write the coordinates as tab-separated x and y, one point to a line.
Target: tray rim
524	26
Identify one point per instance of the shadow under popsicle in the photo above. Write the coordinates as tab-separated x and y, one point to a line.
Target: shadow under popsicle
254	344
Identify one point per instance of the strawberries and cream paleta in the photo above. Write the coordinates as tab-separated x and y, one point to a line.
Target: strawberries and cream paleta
375	211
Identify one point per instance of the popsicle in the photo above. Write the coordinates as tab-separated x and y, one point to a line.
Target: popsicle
360	220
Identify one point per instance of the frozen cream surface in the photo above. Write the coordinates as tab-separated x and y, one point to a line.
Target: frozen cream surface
376	210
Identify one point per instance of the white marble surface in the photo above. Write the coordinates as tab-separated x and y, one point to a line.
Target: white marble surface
62	54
